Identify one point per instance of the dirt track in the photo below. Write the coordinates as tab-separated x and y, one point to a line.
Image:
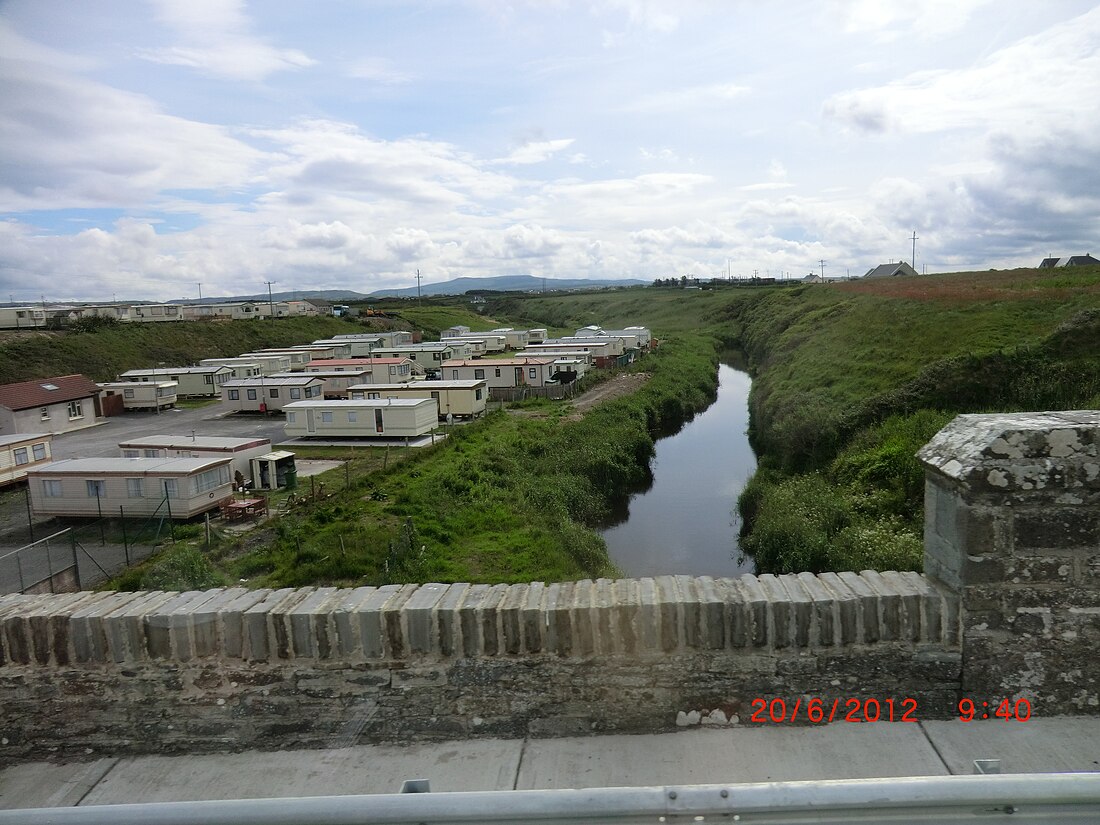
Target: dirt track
617	387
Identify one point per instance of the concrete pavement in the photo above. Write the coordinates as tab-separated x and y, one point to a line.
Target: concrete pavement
696	756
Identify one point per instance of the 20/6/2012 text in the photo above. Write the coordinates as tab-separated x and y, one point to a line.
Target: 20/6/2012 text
822	711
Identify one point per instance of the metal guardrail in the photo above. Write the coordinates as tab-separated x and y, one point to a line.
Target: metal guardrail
1016	798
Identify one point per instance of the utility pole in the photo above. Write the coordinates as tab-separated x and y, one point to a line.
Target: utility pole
419	300
821	263
200	293
915	239
270	303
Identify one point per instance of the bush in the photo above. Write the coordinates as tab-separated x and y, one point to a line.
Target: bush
183	567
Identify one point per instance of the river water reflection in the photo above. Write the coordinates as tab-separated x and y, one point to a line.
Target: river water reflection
684	523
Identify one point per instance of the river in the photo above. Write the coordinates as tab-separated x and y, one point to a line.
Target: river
684	523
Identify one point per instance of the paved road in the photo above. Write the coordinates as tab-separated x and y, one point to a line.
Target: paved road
103	439
699	756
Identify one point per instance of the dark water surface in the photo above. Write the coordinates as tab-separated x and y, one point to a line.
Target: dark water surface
684	523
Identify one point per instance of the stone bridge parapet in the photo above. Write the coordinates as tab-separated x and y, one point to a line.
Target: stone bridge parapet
1008	608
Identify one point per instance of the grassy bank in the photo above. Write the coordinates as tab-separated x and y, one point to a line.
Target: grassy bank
514	497
851	380
111	349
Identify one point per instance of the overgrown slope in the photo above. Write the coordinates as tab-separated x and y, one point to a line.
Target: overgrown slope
111	349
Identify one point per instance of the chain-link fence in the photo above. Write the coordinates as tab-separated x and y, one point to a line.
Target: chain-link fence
85	554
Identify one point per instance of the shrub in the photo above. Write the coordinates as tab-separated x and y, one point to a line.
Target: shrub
182	567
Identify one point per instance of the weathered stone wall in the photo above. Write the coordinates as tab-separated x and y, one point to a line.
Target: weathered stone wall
1009	608
232	668
1012	527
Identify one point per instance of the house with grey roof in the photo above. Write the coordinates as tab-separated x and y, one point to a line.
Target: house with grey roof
890	270
1069	260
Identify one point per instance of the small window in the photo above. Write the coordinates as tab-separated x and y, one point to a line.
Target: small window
498	372
291	418
274	392
95	488
130	453
44	413
76	410
152	453
477	394
532	372
351	416
39	451
234	395
326	417
454	374
373	395
251	395
393	370
127	393
22	456
51	487
295	392
134	488
479	374
169	487
208	379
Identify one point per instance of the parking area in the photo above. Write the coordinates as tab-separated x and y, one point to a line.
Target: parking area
103	439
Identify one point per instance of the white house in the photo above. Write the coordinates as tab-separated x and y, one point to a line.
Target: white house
269	394
21	452
254	364
335	383
456	331
23	317
490	341
388	417
501	372
194	382
428	354
298	358
240	451
382	370
54	405
139	486
462	399
142	395
361	347
146	313
514	338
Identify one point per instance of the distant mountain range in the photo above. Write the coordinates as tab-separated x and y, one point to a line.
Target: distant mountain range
503	283
296	295
458	286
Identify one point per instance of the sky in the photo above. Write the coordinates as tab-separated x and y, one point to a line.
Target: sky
159	149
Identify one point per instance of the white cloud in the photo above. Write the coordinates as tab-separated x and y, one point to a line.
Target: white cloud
536	151
217	40
1038	83
890	20
69	141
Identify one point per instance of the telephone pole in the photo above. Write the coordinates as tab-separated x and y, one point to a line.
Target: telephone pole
270	303
822	263
915	239
200	293
419	300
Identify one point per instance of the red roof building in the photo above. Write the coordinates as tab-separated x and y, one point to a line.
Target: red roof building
54	405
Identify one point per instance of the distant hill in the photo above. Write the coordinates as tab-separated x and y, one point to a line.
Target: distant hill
296	295
503	283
